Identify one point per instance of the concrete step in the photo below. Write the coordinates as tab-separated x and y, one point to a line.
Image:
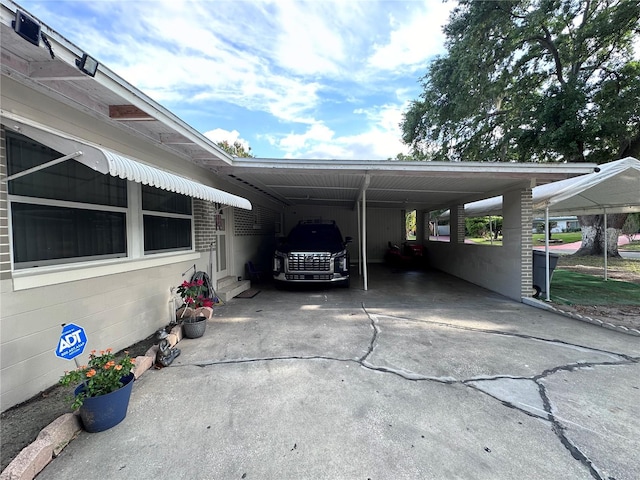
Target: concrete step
225	281
228	290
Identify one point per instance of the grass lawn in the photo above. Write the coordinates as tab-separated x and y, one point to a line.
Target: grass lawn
570	237
630	247
538	239
626	264
486	241
571	288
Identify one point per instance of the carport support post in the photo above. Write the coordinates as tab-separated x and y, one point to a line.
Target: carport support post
359	239
546	253
516	255
364	241
456	224
606	245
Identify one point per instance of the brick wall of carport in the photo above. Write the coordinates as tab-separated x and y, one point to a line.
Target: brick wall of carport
506	269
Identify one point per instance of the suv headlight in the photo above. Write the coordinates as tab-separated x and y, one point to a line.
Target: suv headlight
278	262
341	262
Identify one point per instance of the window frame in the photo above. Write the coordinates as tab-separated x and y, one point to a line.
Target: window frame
57	271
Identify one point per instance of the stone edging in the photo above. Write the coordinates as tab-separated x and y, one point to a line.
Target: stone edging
58	434
576	316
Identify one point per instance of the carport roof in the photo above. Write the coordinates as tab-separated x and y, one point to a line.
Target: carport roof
388	183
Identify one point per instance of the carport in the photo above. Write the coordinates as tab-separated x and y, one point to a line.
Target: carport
377	190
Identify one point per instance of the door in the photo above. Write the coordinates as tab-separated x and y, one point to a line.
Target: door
222	223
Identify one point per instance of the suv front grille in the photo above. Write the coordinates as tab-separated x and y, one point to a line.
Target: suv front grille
319	277
309	262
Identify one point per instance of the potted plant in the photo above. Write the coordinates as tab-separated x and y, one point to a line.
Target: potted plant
193	321
103	389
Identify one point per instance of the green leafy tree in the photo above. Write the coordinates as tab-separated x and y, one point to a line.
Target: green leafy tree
533	80
236	149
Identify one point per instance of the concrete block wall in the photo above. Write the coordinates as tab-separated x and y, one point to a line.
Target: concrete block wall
115	310
5	260
504	269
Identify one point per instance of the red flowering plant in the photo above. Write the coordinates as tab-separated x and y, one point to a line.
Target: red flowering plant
192	294
101	376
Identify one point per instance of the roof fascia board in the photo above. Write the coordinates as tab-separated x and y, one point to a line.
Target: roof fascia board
373	166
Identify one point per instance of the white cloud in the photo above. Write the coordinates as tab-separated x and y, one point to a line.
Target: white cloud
220	135
380	140
306	42
412	43
288	59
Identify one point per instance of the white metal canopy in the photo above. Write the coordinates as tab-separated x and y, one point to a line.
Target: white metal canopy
111	163
614	187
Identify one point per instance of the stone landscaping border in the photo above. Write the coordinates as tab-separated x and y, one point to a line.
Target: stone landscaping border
584	318
53	438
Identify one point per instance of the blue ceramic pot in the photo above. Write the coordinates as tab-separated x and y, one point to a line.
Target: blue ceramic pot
106	411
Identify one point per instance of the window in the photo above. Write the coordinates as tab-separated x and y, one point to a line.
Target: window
68	212
44	234
167	220
410	225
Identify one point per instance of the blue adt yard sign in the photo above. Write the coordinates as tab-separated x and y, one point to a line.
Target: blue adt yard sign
72	341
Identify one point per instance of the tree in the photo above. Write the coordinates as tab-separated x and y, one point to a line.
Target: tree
532	80
236	149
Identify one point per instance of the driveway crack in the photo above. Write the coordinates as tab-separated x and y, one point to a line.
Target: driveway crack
559	430
517	335
376	331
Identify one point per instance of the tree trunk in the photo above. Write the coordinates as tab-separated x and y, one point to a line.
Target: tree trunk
593	234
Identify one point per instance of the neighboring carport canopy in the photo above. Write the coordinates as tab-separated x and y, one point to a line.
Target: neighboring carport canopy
111	163
613	187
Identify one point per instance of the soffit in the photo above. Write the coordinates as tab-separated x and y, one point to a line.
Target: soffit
424	185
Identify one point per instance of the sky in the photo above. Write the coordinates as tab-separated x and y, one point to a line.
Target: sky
318	79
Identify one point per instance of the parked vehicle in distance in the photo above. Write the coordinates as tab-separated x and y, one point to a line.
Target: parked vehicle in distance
312	253
410	255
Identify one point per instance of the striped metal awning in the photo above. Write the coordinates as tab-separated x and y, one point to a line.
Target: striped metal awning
114	164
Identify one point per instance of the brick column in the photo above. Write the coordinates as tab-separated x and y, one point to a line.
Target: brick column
457	224
526	242
203	213
517	223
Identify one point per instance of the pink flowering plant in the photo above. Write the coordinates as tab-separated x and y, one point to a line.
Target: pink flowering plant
101	376
192	294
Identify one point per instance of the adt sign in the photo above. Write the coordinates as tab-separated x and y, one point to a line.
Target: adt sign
72	341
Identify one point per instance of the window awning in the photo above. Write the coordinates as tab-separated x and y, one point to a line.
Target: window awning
114	164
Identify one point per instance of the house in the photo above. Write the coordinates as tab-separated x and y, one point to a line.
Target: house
568	223
108	201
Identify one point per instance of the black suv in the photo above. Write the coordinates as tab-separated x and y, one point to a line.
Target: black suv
312	252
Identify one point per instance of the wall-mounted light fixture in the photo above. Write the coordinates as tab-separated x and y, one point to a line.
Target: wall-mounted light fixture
26	27
87	64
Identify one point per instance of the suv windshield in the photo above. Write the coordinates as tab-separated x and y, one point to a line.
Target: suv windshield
314	237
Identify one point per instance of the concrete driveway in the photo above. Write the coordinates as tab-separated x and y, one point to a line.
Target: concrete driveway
423	376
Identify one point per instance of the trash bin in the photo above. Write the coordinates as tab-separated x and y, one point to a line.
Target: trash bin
540	270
